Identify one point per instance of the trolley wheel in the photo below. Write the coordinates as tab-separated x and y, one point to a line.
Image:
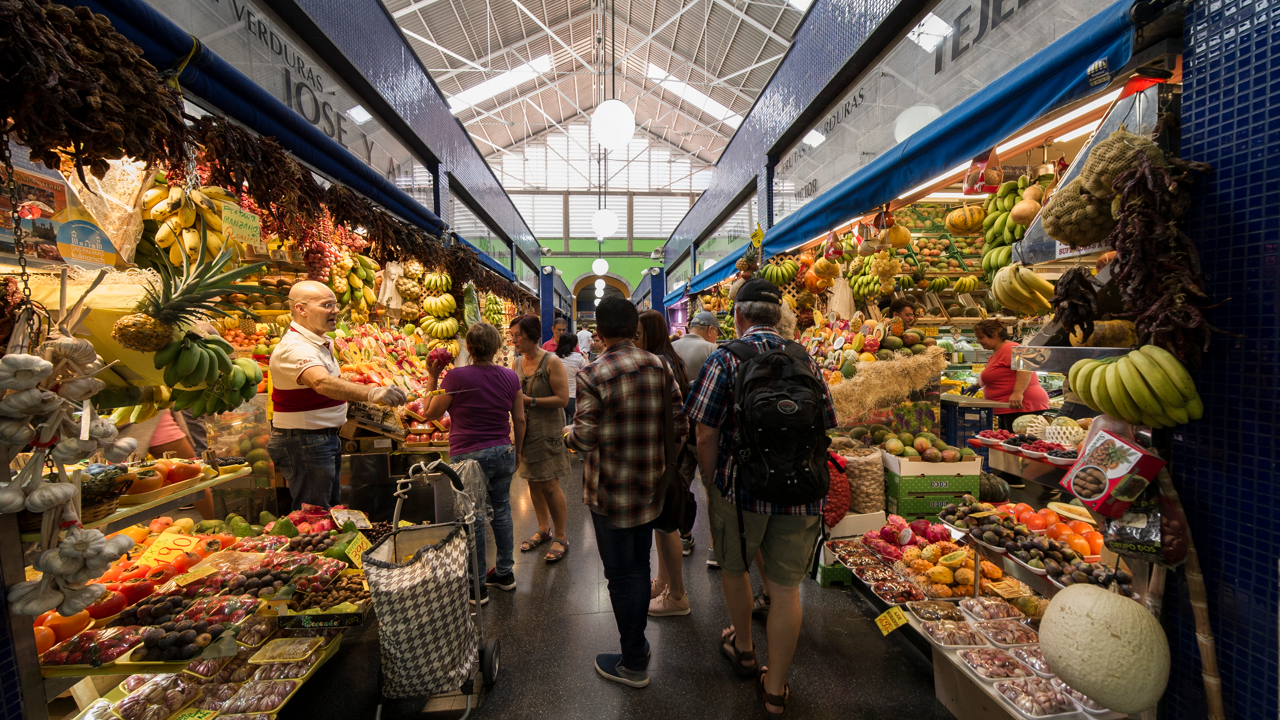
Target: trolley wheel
490	658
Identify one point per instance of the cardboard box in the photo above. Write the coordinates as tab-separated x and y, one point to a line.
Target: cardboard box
836	574
325	620
929	504
901	487
914	467
892	504
858	524
1110	474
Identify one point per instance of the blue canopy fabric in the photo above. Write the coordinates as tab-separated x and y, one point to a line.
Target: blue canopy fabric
674	295
1078	64
208	76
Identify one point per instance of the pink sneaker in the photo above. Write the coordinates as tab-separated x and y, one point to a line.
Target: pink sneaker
655	589
666	606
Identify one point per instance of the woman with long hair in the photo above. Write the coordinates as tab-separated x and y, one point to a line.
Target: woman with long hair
567	351
544	458
667	595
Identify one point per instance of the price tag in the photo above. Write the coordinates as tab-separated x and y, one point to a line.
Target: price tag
195	575
194	714
891	620
405	523
1007	588
243	227
357	548
757	236
985	513
168	547
930	331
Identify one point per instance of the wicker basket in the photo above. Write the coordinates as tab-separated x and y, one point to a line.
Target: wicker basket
99	510
29	522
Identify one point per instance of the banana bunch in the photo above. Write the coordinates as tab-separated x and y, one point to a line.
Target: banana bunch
440	328
437	283
192	360
440	306
993	259
938	284
1148	386
1018	288
177	210
493	310
143	412
227	393
780	273
966	284
451	345
998	227
865	286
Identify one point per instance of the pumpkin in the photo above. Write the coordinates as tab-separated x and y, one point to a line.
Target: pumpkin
825	269
1106	646
992	489
966	220
896	236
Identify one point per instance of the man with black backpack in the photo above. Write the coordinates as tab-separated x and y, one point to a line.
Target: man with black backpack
762	411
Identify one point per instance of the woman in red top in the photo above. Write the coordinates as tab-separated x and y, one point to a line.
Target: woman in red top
1001	383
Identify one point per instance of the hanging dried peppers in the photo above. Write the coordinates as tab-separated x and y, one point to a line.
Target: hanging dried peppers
1075	301
70	84
1157	267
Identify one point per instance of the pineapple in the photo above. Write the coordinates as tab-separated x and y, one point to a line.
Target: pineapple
182	300
413	268
749	259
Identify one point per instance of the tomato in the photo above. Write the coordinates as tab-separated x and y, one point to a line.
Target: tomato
1094	539
162	573
135	570
145	481
1057	530
65	627
136	589
1080	527
1050	517
1077	543
183	471
1021	508
1032	521
183	562
111	603
45	639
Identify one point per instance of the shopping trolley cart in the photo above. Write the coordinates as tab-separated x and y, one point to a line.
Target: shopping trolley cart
421	578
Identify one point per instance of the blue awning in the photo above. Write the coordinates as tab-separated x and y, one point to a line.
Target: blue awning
674	295
208	76
1075	66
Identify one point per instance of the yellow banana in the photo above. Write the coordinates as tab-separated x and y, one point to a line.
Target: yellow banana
1032	281
212	220
152	197
187	213
171	204
191	242
175	254
168	233
202	201
214	242
213	192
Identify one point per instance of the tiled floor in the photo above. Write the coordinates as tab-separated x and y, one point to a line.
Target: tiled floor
558	618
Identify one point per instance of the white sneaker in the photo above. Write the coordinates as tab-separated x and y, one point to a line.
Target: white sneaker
711	558
666	606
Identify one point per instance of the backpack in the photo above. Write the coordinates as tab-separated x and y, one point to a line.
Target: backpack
780	446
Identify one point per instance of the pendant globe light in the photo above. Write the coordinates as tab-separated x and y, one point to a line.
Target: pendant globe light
604	223
612	125
600	283
599	292
600	266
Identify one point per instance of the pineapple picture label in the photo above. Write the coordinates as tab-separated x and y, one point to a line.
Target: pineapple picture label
83	243
242	227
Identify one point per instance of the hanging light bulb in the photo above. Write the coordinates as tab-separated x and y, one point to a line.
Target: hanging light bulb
604	223
599	292
612	124
597	302
600	266
600	283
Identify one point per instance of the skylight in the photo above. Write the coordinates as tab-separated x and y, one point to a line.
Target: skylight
359	114
694	97
502	83
800	5
930	32
814	138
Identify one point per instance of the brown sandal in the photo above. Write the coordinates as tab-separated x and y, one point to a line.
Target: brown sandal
729	648
554	555
535	540
775	700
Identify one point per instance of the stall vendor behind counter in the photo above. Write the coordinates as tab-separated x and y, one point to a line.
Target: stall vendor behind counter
310	399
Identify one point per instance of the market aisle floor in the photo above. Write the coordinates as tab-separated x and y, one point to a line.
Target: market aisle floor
558	619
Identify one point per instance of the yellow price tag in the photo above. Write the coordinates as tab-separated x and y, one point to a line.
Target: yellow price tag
984	513
1007	588
194	714
891	620
757	236
167	548
405	523
195	575
930	331
357	548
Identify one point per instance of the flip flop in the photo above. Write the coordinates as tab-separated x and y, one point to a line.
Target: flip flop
554	555
535	540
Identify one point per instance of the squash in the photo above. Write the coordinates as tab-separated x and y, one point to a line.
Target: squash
1106	646
825	269
1024	212
992	489
966	220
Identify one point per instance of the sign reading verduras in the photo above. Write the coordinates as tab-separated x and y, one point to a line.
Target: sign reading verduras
961	47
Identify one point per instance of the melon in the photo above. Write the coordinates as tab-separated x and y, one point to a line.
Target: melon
848	369
1064	421
884	355
1021	425
858	432
917	349
1106	646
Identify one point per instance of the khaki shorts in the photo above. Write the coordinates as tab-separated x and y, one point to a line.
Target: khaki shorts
787	542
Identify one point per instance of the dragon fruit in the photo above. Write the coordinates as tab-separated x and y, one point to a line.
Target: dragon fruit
897	521
889	534
873	535
440	355
920	541
919	527
871	345
938	533
892	552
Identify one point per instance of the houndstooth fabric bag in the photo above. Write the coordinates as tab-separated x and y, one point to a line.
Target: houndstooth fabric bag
425	627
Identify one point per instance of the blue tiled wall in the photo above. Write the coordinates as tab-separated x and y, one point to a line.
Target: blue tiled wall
1225	465
824	44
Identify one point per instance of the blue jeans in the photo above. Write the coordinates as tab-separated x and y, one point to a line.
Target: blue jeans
625	554
497	463
310	465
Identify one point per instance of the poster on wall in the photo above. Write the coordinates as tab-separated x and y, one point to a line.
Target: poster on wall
47	195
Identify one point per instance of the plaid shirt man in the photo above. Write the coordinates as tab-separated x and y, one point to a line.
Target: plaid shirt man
618	428
711	403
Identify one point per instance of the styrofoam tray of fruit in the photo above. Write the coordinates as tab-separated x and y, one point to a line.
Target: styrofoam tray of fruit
1007	633
285	650
952	635
1038	571
993	664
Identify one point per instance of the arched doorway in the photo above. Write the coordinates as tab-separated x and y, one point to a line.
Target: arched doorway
584	295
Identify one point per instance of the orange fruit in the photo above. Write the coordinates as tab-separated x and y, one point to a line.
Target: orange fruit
1057	530
1032	521
1077	543
1080	527
65	627
1094	538
1050	517
1021	508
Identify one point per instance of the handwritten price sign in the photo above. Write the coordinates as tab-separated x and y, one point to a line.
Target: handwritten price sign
357	548
891	620
168	547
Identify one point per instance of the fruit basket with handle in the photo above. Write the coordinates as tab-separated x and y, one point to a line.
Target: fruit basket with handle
421	578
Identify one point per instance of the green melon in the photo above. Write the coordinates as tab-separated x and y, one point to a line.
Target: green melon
884	355
879	436
917	349
848	370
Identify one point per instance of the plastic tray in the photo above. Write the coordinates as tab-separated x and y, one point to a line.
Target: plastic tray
1084	708
285	650
1021	617
325	653
989	442
1028	568
980	677
1060	462
1017	654
1034	455
979	627
948	648
992	548
152	667
1017	711
254	684
146	497
917	615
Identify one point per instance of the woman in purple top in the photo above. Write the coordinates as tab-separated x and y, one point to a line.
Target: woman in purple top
482	420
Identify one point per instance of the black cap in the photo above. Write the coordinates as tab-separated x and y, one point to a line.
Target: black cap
759	290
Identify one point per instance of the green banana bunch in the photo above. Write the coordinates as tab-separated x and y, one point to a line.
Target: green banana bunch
225	394
865	286
780	273
192	360
938	284
437	282
493	310
1149	386
993	259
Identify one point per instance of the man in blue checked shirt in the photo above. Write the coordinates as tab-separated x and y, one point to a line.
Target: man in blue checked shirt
785	535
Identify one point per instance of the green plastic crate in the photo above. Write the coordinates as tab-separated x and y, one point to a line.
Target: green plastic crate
957	485
829	575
